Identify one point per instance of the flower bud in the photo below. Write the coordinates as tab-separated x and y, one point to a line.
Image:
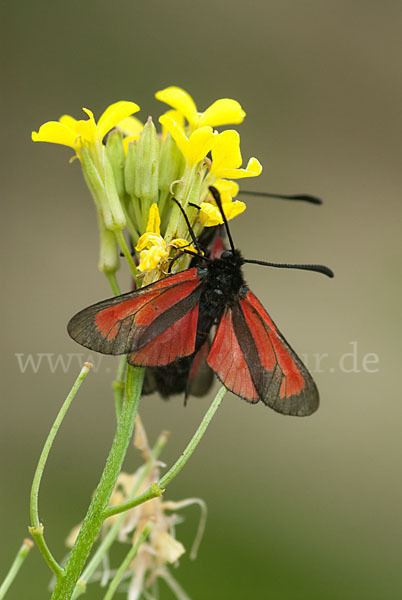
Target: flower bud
96	187
171	163
130	167
109	259
147	165
115	152
116	209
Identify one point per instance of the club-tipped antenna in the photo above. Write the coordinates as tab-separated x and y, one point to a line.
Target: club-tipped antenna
190	229
300	197
317	268
217	198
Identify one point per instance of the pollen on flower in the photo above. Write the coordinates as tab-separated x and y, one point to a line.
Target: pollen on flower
150	259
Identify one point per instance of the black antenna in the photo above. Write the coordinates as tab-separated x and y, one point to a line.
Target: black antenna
218	201
190	229
301	197
182	253
317	268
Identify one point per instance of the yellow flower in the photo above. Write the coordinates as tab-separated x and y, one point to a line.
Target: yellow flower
226	159
210	215
75	133
131	126
152	246
227	189
221	112
195	147
177	117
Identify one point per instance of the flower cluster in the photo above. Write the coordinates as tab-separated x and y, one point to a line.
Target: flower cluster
133	171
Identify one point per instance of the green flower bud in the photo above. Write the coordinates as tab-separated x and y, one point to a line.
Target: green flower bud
129	168
147	165
96	187
119	219
115	152
171	168
171	164
109	259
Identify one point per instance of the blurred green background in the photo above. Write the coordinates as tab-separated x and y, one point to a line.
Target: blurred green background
298	508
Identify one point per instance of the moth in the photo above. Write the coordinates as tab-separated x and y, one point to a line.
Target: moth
167	323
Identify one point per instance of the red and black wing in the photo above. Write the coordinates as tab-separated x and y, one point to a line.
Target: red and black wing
200	377
253	360
155	325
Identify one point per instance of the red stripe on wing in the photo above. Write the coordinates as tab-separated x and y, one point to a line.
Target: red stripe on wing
226	358
271	347
129	322
145	307
176	341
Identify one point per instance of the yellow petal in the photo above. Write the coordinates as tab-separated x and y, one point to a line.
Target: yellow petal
69	122
55	132
87	129
223	186
150	259
176	132
222	112
127	140
210	215
149	240
200	142
181	243
225	197
226	152
232	209
177	118
130	126
115	113
180	100
154	220
253	169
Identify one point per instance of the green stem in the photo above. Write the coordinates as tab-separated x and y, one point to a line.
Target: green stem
115	528
37	534
15	567
114	584
111	277
125	249
156	489
118	383
94	518
181	461
36	527
118	386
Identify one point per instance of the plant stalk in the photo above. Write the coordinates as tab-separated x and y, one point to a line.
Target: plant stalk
15	567
36	528
126	562
95	516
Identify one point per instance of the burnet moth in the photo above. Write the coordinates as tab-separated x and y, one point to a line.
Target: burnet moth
170	320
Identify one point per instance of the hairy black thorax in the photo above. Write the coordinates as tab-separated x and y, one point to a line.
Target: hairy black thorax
222	281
